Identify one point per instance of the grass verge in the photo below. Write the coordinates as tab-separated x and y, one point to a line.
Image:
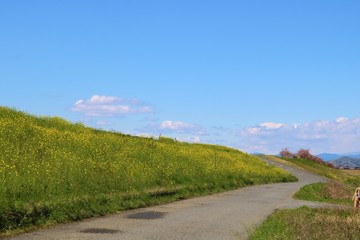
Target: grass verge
330	192
308	223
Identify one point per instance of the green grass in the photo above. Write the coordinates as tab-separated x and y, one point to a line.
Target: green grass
53	171
321	170
320	192
308	223
338	189
323	223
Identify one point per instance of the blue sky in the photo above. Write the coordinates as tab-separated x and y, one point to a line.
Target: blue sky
255	75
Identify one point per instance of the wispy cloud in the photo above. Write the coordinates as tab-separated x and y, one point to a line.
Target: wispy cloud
178	127
340	135
174	128
103	123
271	125
190	139
194	139
98	106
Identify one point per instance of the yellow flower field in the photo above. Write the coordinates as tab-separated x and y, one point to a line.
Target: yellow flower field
54	171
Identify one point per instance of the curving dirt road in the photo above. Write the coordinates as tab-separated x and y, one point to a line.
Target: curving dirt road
223	216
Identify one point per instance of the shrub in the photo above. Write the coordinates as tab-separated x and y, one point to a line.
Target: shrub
285	153
330	165
304	153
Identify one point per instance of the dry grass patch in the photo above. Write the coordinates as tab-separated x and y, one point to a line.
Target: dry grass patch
352	172
308	223
336	190
331	192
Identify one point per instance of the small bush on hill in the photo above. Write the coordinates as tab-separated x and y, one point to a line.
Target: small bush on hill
285	153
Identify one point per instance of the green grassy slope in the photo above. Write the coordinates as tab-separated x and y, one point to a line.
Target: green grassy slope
55	171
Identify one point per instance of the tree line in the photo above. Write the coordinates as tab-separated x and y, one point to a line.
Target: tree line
304	153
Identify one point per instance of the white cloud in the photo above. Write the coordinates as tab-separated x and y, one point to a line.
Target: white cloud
194	139
174	127
271	125
109	106
253	130
103	123
179	127
341	119
146	135
340	135
96	99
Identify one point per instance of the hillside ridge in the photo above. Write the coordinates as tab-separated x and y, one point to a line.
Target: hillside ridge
334	156
346	162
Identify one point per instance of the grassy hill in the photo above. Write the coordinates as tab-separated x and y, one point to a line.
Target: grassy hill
54	171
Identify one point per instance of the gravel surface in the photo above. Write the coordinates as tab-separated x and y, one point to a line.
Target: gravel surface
227	215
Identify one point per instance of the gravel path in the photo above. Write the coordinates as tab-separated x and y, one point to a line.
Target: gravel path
222	216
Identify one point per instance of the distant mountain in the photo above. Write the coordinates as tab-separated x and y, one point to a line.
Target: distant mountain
334	156
352	154
346	162
329	156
